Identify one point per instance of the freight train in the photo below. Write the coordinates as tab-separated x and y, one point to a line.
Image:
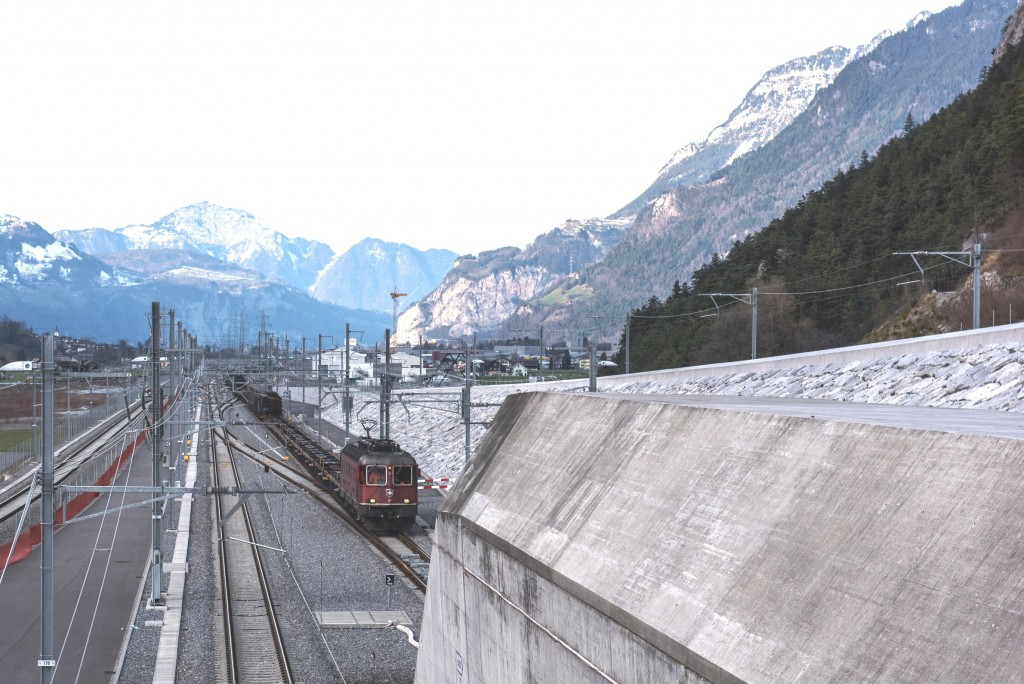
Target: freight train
375	479
263	404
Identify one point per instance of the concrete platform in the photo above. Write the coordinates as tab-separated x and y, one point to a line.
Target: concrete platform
596	539
362	619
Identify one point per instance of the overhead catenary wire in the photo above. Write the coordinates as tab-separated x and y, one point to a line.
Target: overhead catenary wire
88	571
295	580
106	568
21	523
846	288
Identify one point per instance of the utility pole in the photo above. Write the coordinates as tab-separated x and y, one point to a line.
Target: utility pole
395	294
47	663
385	389
264	350
347	397
976	264
466	418
746	299
540	359
170	418
629	321
970	258
753	322
319	385
593	366
177	385
156	436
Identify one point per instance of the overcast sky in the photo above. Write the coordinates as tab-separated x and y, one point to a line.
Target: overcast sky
437	123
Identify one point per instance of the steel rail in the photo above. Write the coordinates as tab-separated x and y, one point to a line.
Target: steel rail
79	453
255	649
296	440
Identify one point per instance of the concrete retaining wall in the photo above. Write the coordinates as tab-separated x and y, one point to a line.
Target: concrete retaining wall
594	539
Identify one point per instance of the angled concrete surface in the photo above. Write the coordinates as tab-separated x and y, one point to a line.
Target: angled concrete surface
600	539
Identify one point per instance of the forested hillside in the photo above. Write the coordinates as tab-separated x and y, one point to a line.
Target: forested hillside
826	273
917	71
17	342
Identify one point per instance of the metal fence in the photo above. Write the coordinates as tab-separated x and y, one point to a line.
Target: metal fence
67	425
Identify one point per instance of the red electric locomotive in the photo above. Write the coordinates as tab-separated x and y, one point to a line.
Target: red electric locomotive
378	484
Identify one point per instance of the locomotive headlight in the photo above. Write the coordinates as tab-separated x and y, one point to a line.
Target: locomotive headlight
406	501
373	501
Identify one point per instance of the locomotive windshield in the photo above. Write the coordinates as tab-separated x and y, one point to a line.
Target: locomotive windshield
376	475
402	475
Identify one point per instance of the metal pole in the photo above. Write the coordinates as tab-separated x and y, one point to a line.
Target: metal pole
593	367
385	388
629	319
171	386
46	660
466	392
540	363
348	397
179	432
380	390
303	379
35	422
976	258
174	384
156	435
753	323
319	389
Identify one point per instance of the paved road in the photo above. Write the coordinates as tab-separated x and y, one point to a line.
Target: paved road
963	421
118	549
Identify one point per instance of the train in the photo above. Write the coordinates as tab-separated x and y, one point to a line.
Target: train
378	484
374	479
263	404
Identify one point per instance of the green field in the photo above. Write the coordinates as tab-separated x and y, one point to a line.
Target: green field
12	438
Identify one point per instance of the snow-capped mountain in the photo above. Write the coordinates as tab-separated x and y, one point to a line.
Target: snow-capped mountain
366	273
233	236
774	102
481	292
227	244
795	127
771	105
47	283
29	256
916	71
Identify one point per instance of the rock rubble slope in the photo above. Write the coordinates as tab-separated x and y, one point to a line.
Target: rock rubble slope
429	426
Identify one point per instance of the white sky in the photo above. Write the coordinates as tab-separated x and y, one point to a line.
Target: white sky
438	123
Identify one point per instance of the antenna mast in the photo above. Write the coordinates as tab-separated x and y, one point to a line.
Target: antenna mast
395	294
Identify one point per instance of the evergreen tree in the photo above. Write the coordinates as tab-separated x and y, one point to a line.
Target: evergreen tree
834	250
908	123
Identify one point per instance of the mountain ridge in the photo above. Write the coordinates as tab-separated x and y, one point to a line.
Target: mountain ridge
708	170
46	282
915	71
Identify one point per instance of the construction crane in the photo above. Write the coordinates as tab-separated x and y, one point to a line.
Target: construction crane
395	294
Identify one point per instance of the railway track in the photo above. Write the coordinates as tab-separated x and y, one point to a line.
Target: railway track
70	459
254	649
320	480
